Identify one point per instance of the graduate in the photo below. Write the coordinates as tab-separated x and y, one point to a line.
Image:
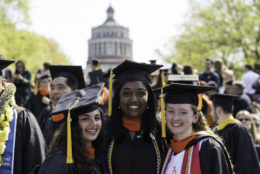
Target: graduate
22	145
235	136
41	99
133	146
78	145
96	75
65	79
194	148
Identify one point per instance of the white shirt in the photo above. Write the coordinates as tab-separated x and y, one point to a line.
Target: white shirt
249	78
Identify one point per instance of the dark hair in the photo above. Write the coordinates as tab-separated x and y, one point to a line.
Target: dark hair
46	65
82	163
115	127
209	59
227	108
72	83
174	68
19	62
187	69
248	67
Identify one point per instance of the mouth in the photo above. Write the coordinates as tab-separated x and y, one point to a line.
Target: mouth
176	124
91	131
133	107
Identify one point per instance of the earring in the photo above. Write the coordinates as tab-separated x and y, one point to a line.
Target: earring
119	107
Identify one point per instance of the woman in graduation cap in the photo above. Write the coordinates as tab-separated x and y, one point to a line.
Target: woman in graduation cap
194	148
77	145
133	146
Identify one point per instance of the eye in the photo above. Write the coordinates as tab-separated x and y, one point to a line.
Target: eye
61	87
141	93
98	117
126	93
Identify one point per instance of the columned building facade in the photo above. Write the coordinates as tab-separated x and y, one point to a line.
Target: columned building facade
110	43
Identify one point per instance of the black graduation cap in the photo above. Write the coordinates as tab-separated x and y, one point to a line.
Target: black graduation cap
45	74
5	63
153	61
95	62
177	93
224	99
72	72
133	71
88	99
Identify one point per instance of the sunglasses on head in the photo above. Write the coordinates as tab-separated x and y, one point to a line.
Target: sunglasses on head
241	119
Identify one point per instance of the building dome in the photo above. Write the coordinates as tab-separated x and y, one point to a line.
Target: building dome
110	43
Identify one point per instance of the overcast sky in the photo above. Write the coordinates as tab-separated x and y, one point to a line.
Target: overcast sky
69	22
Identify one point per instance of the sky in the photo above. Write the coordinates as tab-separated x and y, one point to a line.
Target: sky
151	23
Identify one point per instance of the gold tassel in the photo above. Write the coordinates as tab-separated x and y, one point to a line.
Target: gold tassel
69	159
200	104
162	115
36	88
98	64
110	93
162	107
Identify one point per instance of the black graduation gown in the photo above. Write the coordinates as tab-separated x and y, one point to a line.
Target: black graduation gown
35	104
213	156
241	148
96	77
56	164
135	156
44	116
30	147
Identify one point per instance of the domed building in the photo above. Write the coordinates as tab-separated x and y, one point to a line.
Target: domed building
110	43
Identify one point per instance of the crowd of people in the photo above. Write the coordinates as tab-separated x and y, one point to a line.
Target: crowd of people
137	118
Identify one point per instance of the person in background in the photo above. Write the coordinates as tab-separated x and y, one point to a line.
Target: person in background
219	69
249	78
228	85
96	75
86	146
209	74
22	145
65	79
6	73
42	99
133	145
235	136
257	123
194	147
248	121
188	70
22	81
243	102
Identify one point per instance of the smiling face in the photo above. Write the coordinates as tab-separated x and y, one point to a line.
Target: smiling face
133	100
244	119
90	123
59	87
179	119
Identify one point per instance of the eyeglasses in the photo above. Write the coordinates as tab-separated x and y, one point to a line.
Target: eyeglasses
241	119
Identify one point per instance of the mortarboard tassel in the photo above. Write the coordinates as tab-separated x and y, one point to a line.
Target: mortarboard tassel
98	65
162	107
69	159
110	93
200	104
36	88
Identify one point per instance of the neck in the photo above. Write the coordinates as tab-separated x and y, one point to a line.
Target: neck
88	144
224	117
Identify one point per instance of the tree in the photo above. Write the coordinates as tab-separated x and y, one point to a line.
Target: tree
227	29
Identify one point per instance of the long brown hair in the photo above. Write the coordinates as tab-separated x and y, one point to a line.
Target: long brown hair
252	130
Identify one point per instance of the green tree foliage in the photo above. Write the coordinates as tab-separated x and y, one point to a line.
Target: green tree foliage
19	44
227	29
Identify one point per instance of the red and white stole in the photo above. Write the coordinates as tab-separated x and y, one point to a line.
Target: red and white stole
185	162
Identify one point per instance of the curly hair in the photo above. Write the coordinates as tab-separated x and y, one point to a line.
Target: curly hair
82	163
115	127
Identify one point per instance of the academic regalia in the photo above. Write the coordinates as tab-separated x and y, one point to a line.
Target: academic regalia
49	125
78	102
237	139
44	116
96	77
25	147
241	148
30	147
208	156
35	102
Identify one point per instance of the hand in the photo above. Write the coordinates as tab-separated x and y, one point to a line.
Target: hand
46	100
19	76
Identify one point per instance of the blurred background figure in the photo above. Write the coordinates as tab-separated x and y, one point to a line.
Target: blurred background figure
22	79
249	78
219	69
188	70
96	75
6	73
247	120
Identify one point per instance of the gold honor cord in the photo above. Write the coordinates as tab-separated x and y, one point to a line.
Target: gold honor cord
110	93
69	159
162	107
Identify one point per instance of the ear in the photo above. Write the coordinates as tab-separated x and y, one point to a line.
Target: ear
195	117
219	110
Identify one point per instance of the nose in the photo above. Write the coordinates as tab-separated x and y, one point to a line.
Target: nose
133	97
